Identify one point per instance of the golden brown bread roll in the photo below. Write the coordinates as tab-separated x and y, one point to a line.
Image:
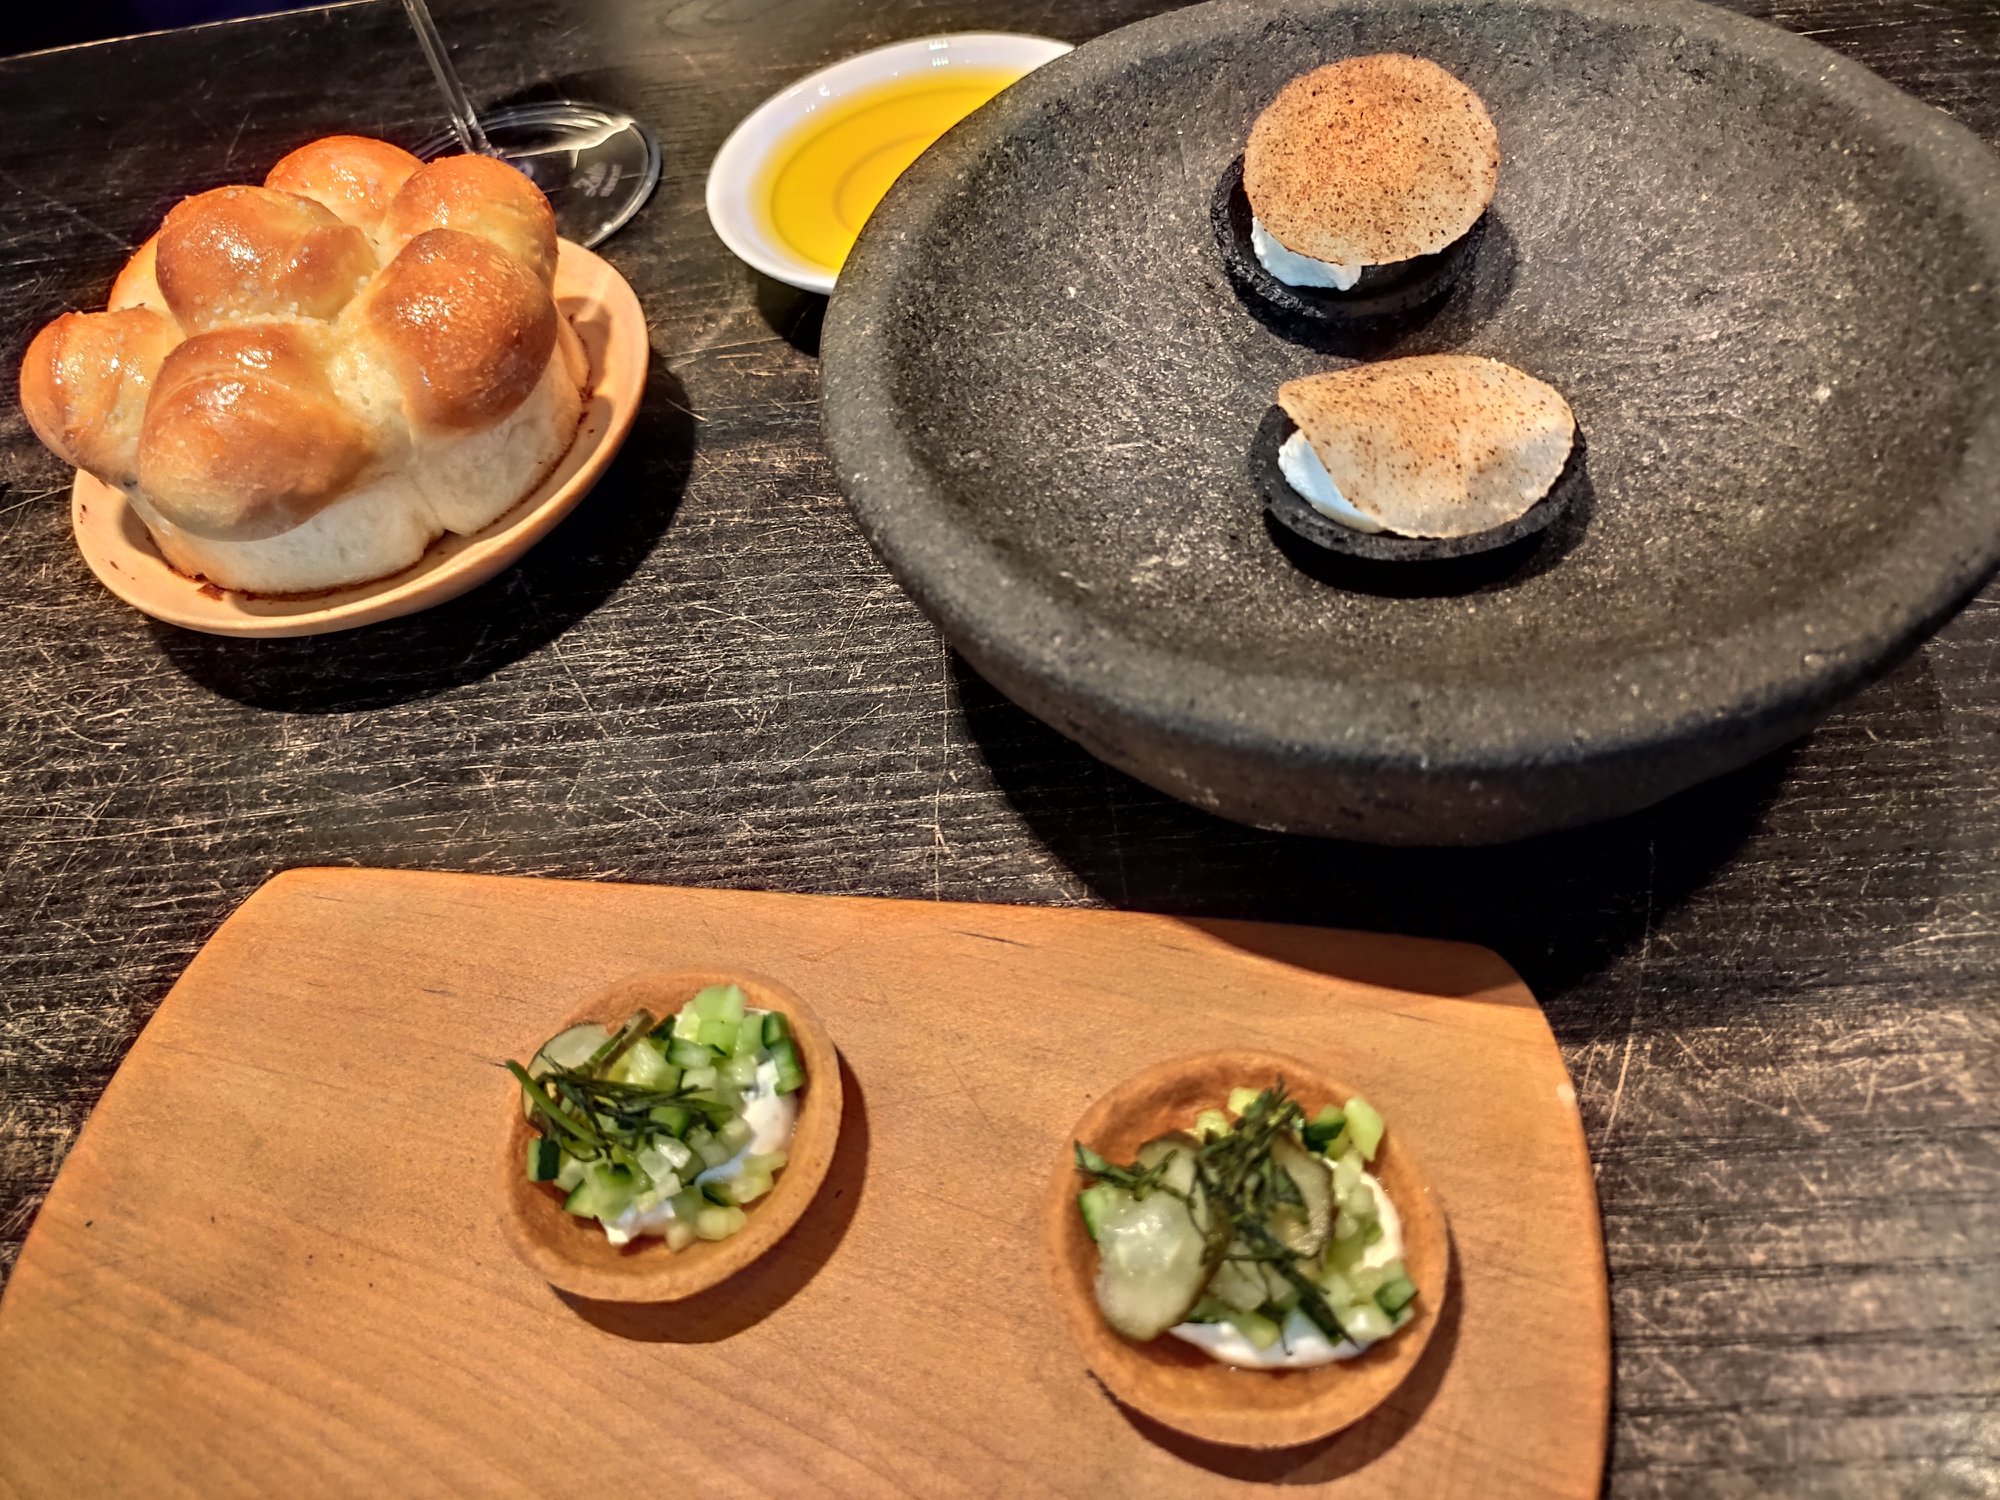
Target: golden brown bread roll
138	285
351	176
480	196
375	359
245	435
85	383
251	252
467	330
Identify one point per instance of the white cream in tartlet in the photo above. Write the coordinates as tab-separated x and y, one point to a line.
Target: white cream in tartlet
1300	1342
1299	270
1305	473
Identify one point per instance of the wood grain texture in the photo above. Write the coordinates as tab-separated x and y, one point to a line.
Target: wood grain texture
1776	994
332	1260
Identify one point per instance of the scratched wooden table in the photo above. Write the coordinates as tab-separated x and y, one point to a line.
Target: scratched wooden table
1777	994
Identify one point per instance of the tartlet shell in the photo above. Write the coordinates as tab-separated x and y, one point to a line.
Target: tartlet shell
573	1255
1177	1384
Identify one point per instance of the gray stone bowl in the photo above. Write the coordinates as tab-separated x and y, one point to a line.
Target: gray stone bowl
1768	283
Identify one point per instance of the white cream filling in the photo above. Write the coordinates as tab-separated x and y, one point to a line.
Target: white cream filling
1300	1342
1305	473
1295	269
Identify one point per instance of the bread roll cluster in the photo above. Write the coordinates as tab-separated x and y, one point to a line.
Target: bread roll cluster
301	386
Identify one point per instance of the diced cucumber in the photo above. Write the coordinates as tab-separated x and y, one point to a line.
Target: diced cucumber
685	1052
616	1183
687	1203
697	1079
1209	1124
1359	1200
672	1118
748	1187
1156	1253
545	1159
1367	1280
678	1235
1323	1127
645	1063
1262	1332
1365	1322
570	1175
735	1133
1338	1288
740	1072
718	1036
791	1072
605	1192
1345	1251
1365	1125
1241	1099
1208	1310
658	1166
776	1028
1093	1202
720	1002
676	1152
1238	1284
711	1151
768	1162
686	1024
1346	1172
1395	1293
717	1193
749	1037
717	1223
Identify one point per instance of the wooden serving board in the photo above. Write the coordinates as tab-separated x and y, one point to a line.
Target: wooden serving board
272	1264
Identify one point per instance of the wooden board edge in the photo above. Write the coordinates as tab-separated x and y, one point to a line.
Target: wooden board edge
1455	968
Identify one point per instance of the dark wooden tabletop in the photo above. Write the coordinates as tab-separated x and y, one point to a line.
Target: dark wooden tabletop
1777	994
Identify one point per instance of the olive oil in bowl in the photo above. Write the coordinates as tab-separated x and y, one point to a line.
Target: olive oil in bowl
821	182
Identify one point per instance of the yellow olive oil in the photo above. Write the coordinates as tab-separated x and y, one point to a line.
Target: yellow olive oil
824	180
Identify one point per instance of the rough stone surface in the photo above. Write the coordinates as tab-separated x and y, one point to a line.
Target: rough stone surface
1768	284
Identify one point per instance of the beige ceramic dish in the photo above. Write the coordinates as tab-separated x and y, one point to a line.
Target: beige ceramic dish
573	1254
1174	1382
607	318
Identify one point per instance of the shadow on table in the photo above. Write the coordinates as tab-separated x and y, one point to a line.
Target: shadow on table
1559	907
559	581
791	314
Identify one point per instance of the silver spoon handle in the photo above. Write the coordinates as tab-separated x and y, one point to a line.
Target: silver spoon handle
464	123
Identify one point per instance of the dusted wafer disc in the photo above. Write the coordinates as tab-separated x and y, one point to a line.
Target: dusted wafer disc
1372	160
1437	445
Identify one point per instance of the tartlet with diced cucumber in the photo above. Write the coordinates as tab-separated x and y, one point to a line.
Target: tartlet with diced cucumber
1244	1249
669	1133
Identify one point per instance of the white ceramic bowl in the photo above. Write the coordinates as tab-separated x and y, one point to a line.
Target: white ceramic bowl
739	165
